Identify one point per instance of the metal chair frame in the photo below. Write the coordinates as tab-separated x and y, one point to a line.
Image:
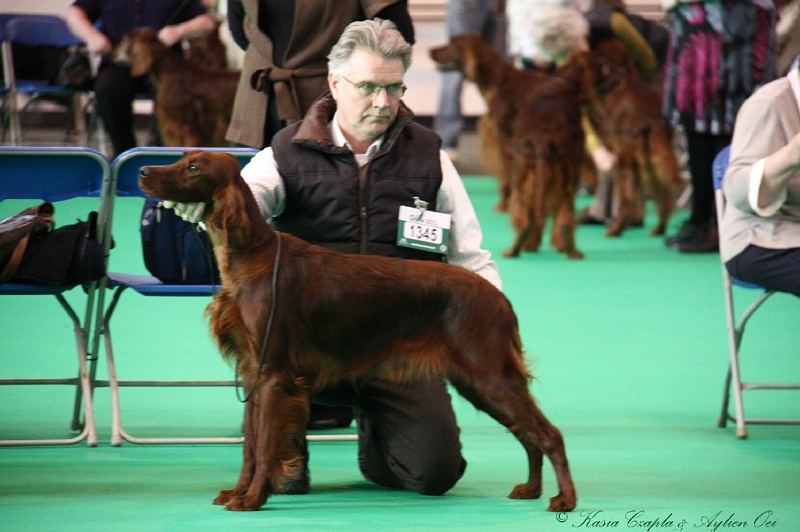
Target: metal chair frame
125	169
56	174
37	30
735	332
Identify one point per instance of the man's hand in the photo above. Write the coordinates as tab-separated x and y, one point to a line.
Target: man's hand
604	160
169	35
98	43
190	212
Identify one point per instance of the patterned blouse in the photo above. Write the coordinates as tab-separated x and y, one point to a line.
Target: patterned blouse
720	52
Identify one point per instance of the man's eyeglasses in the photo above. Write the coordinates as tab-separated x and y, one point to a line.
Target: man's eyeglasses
368	89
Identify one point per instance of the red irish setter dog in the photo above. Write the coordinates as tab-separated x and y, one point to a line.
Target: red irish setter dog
324	317
192	103
627	117
504	89
547	154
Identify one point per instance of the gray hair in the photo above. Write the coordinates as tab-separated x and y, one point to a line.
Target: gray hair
376	36
554	31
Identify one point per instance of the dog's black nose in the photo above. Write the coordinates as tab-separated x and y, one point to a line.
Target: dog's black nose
144	172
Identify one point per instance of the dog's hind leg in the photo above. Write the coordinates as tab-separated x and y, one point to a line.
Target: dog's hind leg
523	217
564	225
508	400
280	414
663	182
625	175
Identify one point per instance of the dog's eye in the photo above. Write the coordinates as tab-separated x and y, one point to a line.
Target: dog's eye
193	167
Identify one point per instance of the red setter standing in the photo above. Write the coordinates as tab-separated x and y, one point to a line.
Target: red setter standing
192	103
504	89
547	151
295	318
627	117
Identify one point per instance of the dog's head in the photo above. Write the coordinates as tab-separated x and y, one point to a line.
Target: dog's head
612	64
198	176
468	53
211	178
138	49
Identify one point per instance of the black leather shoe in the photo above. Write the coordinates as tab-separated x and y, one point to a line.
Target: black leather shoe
707	242
687	232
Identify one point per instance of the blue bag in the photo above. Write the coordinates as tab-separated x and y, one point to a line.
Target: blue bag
176	251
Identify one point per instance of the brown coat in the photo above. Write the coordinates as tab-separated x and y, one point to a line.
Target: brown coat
304	74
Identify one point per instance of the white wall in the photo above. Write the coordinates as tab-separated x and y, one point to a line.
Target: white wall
35	6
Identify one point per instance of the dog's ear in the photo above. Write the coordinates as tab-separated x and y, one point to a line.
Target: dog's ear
141	58
230	206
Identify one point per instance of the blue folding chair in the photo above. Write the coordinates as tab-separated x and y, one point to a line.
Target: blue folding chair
5	18
55	175
735	329
36	30
125	172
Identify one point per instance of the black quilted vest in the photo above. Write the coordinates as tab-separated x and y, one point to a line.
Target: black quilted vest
332	202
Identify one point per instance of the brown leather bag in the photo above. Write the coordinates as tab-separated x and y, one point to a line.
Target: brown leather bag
17	231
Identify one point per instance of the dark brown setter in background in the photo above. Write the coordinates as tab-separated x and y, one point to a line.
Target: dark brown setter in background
547	151
192	103
504	89
336	317
627	117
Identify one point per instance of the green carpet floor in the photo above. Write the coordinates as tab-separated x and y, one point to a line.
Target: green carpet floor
629	351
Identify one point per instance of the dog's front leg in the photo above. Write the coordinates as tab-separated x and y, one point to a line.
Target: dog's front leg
248	462
280	414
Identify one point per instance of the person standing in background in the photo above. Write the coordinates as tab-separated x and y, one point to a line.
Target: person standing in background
463	16
647	42
286	43
721	51
524	18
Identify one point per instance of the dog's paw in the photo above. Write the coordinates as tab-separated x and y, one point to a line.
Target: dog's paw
562	503
242	503
223	497
526	491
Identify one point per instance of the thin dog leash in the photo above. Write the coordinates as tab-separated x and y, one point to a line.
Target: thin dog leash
262	357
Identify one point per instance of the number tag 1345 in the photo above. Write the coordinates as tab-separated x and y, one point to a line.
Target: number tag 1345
423	229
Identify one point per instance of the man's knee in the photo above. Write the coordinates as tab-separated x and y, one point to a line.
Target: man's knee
438	478
426	473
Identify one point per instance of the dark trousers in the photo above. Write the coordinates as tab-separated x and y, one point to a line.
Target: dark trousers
702	148
115	91
776	269
408	435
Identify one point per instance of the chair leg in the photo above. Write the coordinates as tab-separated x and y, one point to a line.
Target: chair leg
105	331
84	393
113	387
722	422
734	339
